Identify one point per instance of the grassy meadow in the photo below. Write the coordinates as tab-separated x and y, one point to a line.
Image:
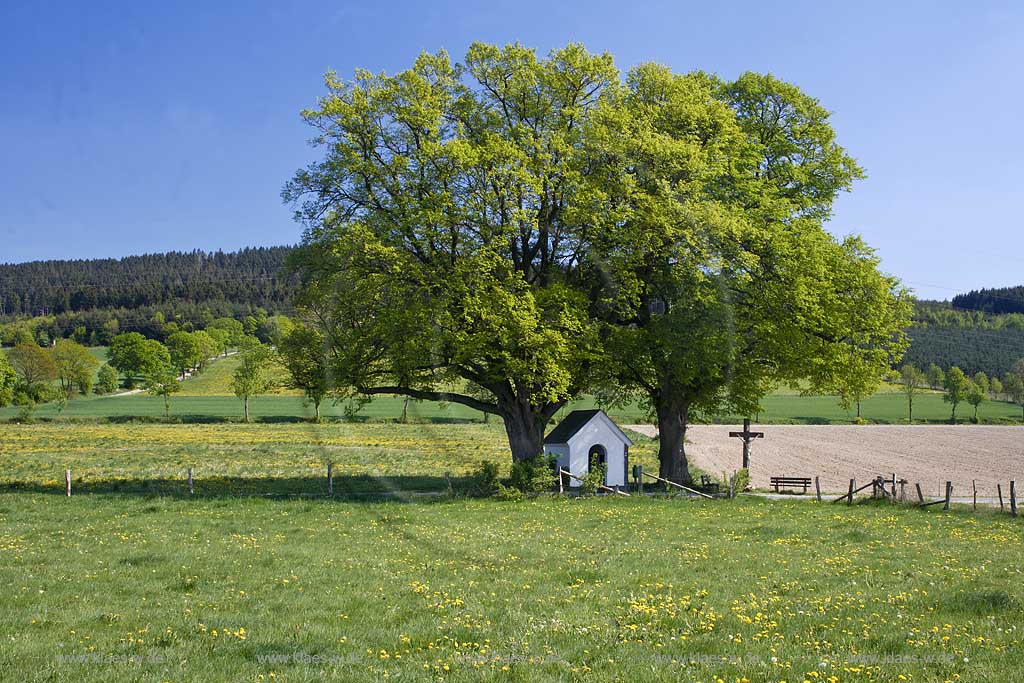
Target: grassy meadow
146	588
259	576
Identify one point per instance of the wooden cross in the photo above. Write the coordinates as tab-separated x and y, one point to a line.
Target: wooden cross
747	437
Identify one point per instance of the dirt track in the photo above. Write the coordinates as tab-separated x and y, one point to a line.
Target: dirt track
930	454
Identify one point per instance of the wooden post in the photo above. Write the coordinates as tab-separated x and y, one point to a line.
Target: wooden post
999	490
330	479
732	485
640	479
191	489
67	482
817	487
561	481
853	485
1013	498
920	495
893	497
874	488
974	486
903	490
949	494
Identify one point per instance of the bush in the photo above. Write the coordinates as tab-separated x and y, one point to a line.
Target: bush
593	480
484	480
508	493
741	480
535	475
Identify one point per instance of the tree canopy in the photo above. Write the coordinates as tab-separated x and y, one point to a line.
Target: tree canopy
511	231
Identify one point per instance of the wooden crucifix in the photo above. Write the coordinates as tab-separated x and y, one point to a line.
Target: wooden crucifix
747	437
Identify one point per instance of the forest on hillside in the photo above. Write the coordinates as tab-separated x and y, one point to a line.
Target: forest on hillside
97	298
93	300
250	276
998	301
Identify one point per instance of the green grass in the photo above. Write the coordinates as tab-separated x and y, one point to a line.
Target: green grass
259	573
883	408
249	589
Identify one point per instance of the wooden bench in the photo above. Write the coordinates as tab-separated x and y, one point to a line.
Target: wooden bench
708	484
791	482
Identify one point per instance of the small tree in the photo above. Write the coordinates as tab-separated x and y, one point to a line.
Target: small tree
303	352
956	386
250	376
981	379
912	381
106	379
995	387
163	382
976	395
936	377
1014	387
74	366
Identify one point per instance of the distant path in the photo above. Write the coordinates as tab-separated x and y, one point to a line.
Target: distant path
130	392
929	454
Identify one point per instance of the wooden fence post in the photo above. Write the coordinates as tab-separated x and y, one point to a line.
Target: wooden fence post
640	479
903	490
1013	497
974	486
853	485
999	490
191	488
67	482
949	494
920	495
330	479
817	487
893	496
732	485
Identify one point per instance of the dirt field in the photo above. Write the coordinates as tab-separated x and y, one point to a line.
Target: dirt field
930	455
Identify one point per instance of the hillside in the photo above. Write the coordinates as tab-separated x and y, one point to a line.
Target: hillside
186	286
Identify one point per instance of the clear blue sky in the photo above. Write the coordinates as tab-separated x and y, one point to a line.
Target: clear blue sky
137	127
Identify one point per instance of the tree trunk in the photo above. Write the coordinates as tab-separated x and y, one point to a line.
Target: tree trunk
316	410
246	401
405	411
910	415
525	431
672	423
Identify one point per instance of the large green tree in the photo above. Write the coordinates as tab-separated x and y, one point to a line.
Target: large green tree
448	222
34	368
133	355
715	272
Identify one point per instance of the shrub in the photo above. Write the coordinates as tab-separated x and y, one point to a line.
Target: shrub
741	480
593	480
535	475
484	480
508	493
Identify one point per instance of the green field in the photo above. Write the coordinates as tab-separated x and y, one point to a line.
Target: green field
143	588
259	576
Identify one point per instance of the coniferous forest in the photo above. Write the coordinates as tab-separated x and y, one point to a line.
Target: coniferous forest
92	300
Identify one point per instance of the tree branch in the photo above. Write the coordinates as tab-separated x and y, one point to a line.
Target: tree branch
425	395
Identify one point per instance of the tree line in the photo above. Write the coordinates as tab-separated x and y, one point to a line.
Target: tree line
173	281
998	300
959	387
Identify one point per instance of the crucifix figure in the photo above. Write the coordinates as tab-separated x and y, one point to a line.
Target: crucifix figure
747	437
